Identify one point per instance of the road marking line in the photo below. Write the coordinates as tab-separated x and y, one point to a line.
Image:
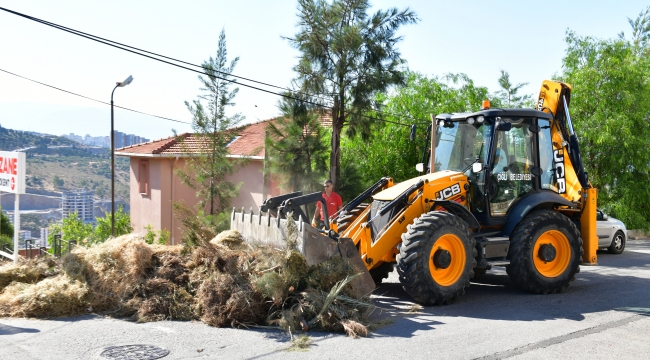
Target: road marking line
561	339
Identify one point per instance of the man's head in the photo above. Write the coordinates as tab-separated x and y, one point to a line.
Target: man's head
328	186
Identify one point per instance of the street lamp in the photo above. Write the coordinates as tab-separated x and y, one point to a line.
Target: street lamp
119	84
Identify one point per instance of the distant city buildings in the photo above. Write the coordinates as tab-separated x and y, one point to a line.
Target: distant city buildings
121	139
81	202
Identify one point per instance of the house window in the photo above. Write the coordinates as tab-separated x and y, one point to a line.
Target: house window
143	177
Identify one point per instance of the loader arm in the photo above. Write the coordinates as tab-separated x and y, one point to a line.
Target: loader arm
293	204
572	179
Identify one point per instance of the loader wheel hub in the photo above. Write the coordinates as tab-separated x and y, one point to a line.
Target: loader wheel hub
442	259
447	260
552	253
547	252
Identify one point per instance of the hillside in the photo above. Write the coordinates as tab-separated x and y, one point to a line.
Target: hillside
11	140
92	172
55	163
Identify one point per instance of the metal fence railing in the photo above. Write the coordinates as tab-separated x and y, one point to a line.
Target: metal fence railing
59	248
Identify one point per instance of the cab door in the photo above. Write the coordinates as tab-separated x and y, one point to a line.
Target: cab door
513	158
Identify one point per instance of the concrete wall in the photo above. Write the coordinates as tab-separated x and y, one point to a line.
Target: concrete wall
30	202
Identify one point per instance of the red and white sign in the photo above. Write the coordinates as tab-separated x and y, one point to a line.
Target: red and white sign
12	172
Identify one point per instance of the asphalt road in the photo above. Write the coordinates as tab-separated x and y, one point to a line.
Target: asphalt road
605	313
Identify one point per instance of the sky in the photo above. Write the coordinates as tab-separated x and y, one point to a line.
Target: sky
478	38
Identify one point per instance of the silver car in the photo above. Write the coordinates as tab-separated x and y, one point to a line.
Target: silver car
611	232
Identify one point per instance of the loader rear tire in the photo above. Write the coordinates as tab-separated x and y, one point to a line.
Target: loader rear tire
545	252
347	218
436	258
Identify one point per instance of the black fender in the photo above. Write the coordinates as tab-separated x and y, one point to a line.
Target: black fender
459	210
530	202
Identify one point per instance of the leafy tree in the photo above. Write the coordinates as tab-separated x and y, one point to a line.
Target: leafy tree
6	231
295	147
213	130
151	235
72	228
640	29
6	228
103	229
57	181
391	153
349	55
6	240
610	107
508	93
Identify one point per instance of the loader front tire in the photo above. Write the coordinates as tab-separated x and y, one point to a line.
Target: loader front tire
545	251
436	258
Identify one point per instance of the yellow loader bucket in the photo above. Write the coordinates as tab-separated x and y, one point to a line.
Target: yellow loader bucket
310	242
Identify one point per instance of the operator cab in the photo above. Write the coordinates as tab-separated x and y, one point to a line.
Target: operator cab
505	153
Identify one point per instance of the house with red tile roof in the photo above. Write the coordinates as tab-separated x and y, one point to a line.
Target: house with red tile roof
154	185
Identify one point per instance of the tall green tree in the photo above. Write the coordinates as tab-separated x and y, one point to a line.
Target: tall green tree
206	171
348	55
296	150
6	231
6	228
508	95
640	30
610	107
391	153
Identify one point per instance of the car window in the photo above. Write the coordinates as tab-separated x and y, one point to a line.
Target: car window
599	215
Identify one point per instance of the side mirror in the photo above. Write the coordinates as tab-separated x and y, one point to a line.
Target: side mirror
477	167
419	167
504	126
605	217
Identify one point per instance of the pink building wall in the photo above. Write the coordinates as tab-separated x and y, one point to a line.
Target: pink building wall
165	187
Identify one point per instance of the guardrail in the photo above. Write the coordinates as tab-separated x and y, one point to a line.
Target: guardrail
58	248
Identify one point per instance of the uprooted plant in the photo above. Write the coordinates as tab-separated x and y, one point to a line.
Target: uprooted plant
222	282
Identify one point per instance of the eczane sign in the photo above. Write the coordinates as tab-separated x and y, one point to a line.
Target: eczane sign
12	172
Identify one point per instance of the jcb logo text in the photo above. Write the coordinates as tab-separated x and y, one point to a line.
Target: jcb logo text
560	175
448	192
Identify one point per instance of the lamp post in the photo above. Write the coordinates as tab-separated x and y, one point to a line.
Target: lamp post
119	84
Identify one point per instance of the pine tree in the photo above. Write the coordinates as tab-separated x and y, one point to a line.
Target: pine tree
508	93
294	146
213	129
348	55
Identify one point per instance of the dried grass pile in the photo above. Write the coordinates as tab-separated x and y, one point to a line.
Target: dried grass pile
52	297
27	272
223	282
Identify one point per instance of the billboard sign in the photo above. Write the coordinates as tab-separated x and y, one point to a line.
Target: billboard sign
12	172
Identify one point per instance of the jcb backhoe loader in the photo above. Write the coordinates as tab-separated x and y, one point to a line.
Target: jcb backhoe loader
503	187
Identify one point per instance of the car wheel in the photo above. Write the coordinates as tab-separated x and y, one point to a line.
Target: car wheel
618	243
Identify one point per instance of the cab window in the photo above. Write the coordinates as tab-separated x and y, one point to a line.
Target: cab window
510	176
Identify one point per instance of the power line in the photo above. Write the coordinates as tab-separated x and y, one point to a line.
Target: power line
89	98
144	53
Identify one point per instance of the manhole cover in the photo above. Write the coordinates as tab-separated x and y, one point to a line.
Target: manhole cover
134	352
